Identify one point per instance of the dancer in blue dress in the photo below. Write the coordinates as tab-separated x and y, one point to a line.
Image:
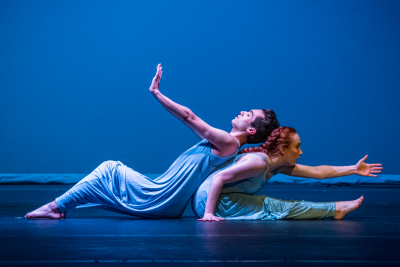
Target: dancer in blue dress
118	188
228	193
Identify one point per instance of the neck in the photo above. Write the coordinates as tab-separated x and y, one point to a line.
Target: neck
241	137
275	162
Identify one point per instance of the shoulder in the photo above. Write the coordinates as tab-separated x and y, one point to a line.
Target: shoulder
253	160
249	166
224	144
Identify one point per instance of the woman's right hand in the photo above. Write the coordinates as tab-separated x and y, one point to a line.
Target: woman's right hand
155	84
209	217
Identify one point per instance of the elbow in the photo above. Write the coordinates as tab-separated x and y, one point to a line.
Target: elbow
217	182
188	116
319	174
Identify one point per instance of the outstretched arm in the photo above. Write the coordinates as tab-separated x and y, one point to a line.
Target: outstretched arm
250	166
323	172
222	140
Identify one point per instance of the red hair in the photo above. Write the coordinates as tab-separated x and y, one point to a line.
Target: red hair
279	138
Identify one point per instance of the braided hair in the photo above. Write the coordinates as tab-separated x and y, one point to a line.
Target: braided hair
263	126
279	138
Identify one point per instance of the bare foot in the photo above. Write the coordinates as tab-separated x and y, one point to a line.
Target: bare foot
49	211
344	207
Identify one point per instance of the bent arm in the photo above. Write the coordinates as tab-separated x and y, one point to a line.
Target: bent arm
250	166
222	140
181	112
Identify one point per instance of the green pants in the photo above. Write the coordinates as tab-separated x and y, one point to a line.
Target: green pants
237	206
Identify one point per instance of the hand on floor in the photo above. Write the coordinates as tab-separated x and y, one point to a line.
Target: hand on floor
209	217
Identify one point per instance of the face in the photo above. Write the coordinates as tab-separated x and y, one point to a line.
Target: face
243	121
293	152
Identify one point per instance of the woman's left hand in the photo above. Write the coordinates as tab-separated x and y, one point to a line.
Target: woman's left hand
365	169
209	217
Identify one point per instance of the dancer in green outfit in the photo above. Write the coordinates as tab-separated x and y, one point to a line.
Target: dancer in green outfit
228	193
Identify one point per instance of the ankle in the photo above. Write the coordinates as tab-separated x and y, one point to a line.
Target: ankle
339	207
53	205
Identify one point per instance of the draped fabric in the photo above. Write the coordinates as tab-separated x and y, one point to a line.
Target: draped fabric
120	188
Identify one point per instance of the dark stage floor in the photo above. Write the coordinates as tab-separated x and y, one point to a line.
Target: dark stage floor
368	236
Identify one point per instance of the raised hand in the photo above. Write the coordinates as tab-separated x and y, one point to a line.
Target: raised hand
209	217
155	84
365	169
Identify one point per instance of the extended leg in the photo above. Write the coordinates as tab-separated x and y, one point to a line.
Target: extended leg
237	206
94	188
320	210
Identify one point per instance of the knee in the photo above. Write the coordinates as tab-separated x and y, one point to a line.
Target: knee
109	163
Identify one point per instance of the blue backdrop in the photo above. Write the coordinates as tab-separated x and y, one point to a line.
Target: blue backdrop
74	78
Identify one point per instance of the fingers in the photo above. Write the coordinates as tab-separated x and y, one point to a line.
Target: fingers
364	158
159	68
159	72
216	219
376	164
373	175
213	220
376	169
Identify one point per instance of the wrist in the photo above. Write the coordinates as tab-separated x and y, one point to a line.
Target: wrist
154	92
353	169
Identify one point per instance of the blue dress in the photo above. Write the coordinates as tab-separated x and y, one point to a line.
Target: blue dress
119	188
238	202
